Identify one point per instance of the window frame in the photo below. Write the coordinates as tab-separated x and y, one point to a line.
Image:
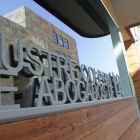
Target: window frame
57	52
60	37
55	35
68	57
63	54
67	44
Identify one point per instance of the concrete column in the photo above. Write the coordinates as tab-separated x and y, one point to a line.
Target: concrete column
121	62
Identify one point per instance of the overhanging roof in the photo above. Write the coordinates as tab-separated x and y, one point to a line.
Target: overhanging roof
127	13
89	18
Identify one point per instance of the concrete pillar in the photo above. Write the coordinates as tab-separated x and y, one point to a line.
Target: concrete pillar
120	58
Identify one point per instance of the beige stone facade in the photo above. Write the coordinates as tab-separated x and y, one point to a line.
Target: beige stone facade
27	26
43	31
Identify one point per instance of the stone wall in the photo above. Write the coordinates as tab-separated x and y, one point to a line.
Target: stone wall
30	28
44	32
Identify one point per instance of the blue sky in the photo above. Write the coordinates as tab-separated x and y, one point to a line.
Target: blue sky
97	52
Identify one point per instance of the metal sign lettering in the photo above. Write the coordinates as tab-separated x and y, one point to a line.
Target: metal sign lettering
71	85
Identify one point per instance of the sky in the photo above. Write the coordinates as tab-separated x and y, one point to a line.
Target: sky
96	52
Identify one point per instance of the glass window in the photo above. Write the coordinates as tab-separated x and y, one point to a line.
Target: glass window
68	57
66	44
62	60
61	41
57	52
55	37
63	55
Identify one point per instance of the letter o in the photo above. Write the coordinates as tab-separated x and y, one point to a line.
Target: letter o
83	67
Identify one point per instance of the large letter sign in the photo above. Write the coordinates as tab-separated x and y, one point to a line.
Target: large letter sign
71	84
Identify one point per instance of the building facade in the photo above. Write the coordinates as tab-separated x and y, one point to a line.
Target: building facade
102	118
30	28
